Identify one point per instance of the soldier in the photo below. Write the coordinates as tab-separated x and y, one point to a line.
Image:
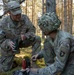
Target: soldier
16	31
58	51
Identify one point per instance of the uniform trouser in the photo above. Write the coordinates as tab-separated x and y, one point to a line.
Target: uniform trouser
6	62
19	72
36	44
33	73
69	68
6	58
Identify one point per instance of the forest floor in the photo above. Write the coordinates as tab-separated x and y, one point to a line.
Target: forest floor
18	58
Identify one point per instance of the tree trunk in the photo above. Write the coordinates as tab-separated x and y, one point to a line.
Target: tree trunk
42	7
51	6
42	14
70	16
62	15
26	8
33	11
65	16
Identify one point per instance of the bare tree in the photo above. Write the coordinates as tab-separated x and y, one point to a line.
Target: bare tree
26	7
33	11
51	6
42	14
65	16
42	6
68	15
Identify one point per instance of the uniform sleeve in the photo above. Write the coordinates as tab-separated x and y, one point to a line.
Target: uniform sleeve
40	54
60	60
28	27
2	33
3	39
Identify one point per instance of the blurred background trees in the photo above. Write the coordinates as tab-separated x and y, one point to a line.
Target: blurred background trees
63	8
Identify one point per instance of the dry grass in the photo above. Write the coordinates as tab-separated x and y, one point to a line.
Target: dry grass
18	59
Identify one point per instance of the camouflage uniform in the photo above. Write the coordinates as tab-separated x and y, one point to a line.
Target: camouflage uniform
58	53
11	30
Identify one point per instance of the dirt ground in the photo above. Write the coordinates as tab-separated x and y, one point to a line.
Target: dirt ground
18	58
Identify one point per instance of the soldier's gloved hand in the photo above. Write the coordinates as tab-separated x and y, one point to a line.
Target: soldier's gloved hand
23	37
34	57
11	44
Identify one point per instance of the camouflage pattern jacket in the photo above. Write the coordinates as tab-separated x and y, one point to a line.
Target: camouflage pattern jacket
56	53
12	30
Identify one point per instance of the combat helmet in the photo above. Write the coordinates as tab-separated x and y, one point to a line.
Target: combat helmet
49	22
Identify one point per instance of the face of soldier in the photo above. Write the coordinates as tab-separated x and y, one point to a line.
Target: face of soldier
45	32
16	17
46	29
